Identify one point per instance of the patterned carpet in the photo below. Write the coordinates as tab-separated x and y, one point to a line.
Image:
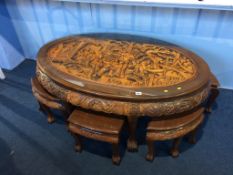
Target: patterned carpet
30	146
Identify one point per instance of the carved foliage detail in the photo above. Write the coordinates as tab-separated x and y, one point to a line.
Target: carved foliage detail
155	109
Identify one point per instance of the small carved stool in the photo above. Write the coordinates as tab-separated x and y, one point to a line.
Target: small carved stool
214	92
174	127
98	127
47	101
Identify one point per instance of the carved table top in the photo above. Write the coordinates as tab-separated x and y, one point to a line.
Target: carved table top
121	63
122	68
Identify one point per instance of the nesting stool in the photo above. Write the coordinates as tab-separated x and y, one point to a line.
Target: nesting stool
173	128
214	92
98	127
47	101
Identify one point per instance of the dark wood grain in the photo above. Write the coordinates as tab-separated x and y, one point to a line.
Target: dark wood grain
98	127
126	75
214	92
173	127
107	87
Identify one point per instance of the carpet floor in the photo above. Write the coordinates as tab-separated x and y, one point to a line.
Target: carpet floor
30	146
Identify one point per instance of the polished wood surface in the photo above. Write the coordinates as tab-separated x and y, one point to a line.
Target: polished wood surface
180	79
98	127
174	127
158	66
174	122
126	75
100	123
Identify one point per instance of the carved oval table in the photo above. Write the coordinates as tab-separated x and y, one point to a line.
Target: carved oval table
127	75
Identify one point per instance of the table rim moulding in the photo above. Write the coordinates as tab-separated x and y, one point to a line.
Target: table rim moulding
152	93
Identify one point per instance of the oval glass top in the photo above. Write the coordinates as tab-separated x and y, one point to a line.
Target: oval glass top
123	65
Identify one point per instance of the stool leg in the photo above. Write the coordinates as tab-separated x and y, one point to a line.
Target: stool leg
213	95
115	155
78	144
68	109
175	147
45	109
192	136
150	153
65	113
50	117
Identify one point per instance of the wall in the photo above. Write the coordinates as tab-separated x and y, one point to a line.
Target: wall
11	53
209	33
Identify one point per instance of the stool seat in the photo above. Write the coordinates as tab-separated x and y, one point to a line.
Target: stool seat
96	122
214	92
174	122
173	127
47	101
37	88
98	127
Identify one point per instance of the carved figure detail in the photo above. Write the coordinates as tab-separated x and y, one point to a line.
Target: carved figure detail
121	63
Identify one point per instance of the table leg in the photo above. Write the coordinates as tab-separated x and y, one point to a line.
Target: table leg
132	140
